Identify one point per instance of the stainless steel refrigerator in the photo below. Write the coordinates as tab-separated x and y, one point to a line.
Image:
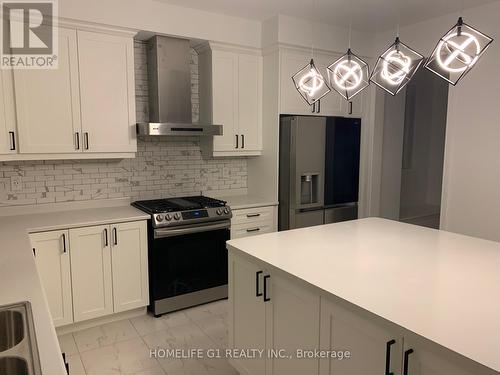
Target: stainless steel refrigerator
318	171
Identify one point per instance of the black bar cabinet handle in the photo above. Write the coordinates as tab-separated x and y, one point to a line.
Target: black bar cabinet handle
350	108
86	140
258	293
77	135
64	242
253	215
313	107
105	237
12	141
406	360
266	298
253	230
237	141
243	141
319	107
115	235
388	357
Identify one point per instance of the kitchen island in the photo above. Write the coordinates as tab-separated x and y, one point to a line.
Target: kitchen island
385	296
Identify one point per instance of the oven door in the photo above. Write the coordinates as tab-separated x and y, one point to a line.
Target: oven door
188	259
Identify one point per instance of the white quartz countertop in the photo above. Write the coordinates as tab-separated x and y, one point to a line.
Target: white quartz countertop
440	285
238	202
18	274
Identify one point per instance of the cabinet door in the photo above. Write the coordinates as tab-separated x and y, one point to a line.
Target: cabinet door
422	360
48	102
292	102
53	264
250	102
331	104
292	323
366	342
354	107
247	319
129	259
225	99
91	272
107	92
8	141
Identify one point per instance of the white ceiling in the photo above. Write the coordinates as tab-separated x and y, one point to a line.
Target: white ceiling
368	15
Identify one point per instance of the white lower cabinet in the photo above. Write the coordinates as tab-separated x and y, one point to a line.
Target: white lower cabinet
93	271
373	349
280	313
248	318
129	260
265	308
292	323
252	221
52	260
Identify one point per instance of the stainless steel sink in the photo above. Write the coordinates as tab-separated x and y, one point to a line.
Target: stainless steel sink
11	329
18	348
13	366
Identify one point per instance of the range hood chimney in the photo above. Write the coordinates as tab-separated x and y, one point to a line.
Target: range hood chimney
169	79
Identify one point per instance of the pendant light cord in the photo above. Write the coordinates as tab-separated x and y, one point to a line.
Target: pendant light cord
313	28
398	21
350	24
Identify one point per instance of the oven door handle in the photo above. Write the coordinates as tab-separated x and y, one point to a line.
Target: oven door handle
162	233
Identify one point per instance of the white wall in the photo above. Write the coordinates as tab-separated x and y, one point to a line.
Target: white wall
161	18
299	32
471	184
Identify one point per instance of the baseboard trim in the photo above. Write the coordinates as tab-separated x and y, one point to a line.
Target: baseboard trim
75	327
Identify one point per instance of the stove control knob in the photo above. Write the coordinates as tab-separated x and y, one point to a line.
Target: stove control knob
159	217
168	217
219	211
177	216
226	210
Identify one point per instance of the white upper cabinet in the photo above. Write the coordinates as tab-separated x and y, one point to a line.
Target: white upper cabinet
8	134
231	95
83	109
225	99
107	92
250	102
48	102
292	103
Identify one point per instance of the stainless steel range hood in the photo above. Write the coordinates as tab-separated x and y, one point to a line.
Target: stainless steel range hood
169	78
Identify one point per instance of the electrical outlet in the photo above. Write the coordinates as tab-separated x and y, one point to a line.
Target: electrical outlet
16	183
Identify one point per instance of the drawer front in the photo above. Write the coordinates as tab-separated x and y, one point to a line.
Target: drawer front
252	215
251	229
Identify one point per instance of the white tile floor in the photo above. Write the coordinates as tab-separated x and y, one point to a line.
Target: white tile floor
124	347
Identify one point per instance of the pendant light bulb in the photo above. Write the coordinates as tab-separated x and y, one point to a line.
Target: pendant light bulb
396	67
457	52
348	75
310	83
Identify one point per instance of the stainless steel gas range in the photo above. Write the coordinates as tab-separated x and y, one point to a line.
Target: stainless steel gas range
187	251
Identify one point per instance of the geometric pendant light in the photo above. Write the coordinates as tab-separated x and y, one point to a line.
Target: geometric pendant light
396	67
310	83
457	52
349	75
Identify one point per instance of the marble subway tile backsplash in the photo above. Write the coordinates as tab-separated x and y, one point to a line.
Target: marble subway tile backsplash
162	168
